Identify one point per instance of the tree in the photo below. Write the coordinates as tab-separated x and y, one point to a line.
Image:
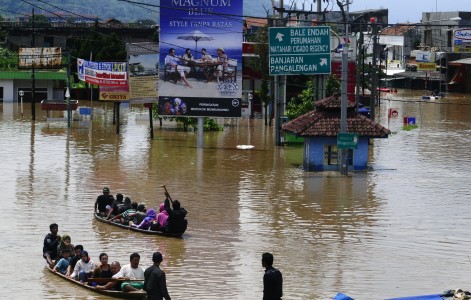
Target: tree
304	102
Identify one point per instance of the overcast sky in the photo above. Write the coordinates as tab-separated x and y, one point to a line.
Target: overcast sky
411	10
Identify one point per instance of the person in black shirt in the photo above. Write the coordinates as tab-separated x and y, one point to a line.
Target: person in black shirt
73	261
51	241
272	279
102	201
176	222
155	283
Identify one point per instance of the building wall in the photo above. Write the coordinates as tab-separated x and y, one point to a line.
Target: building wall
314	154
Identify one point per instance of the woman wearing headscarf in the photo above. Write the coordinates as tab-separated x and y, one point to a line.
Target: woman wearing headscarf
162	218
65	243
84	267
148	220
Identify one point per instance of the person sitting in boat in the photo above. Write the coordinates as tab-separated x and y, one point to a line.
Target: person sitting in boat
140	215
160	224
147	222
112	285
65	244
125	206
131	271
103	270
63	263
176	222
51	241
126	216
116	204
102	201
73	261
83	268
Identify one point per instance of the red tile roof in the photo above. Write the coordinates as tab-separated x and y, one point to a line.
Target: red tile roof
325	121
399	29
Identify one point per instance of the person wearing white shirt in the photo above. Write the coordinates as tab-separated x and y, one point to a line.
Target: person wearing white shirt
131	271
84	267
174	62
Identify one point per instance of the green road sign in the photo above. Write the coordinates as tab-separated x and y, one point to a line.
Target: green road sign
347	141
299	50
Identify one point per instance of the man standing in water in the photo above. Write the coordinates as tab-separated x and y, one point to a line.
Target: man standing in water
272	280
51	241
155	283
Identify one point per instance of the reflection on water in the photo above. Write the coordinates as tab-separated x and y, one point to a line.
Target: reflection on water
390	232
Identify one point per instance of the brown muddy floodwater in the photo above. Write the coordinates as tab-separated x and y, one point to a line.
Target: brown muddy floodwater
400	229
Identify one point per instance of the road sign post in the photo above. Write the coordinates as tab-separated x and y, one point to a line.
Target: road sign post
299	50
347	141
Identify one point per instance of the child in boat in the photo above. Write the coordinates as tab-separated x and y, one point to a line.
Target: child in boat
63	263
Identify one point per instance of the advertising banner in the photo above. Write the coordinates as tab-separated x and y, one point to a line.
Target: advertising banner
201	55
462	40
198	107
114	93
426	66
103	73
40	58
143	71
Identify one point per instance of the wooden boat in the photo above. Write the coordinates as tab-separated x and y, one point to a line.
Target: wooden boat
111	293
152	232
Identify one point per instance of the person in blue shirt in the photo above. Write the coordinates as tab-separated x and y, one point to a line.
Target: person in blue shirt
63	263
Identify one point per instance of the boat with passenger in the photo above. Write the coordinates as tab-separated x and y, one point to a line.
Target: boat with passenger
111	293
145	231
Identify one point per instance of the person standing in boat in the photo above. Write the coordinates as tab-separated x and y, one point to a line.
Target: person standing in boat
272	279
102	201
51	241
131	271
155	283
176	222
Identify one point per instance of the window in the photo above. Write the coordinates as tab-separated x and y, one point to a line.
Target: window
330	155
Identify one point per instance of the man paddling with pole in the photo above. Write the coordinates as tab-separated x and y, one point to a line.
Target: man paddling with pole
176	217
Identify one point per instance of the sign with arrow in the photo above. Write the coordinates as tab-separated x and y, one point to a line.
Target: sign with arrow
299	50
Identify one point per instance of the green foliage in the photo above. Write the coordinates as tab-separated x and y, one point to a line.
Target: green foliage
189	122
332	85
8	59
303	103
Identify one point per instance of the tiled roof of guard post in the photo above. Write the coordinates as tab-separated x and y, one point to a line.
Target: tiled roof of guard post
325	121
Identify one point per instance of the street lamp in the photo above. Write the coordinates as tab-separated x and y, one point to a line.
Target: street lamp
21	93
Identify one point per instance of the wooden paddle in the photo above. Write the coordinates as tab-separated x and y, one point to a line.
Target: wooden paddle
169	197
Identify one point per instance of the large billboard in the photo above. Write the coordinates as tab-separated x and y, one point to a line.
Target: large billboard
40	58
201	58
103	73
143	61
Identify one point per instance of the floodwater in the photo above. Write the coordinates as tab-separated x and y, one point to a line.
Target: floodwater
400	229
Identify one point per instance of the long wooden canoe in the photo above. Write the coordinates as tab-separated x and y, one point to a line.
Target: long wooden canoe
169	234
111	293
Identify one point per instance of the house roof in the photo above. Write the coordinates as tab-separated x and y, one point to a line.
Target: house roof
256	22
325	121
399	29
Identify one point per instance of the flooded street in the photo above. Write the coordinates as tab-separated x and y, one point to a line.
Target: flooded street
400	229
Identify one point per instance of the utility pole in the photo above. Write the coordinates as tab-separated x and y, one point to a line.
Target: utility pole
343	109
277	93
33	82
374	71
67	93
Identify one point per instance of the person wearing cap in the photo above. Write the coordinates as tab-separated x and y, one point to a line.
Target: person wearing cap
155	283
102	201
